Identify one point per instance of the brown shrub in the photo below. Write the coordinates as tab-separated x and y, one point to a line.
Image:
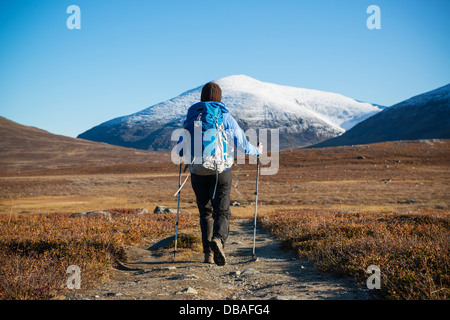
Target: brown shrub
36	250
412	250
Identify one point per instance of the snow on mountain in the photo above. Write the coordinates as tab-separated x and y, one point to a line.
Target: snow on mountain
304	116
425	116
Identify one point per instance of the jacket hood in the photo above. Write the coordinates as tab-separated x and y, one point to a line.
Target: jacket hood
222	107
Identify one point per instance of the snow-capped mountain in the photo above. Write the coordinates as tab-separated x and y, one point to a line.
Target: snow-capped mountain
425	116
303	116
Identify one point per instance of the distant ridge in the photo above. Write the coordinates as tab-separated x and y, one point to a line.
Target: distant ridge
425	116
25	148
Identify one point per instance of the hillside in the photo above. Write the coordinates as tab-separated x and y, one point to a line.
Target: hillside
425	116
26	149
303	116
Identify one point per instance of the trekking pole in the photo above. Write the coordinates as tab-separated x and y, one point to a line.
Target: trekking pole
256	206
178	211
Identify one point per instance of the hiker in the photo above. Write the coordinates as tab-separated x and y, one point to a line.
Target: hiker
212	189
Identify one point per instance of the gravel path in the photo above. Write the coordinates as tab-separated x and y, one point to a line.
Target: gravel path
277	274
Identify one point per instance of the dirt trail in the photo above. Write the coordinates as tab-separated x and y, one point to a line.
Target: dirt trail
277	274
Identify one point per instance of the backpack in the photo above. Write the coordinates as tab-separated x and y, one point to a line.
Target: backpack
208	145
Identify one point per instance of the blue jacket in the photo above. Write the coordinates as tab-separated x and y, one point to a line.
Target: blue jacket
232	130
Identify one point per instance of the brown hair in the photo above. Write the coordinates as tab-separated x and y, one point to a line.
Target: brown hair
211	92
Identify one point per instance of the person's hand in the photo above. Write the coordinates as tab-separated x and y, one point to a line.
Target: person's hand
260	148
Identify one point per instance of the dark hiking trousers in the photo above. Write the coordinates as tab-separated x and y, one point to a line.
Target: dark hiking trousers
214	213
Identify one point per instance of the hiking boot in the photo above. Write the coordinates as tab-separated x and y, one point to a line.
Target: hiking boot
217	248
209	258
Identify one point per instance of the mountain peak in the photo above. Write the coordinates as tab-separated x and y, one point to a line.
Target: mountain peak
303	116
238	79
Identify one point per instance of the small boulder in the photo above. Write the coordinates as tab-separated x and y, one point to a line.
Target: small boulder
236	273
190	290
184	277
164	209
93	214
249	271
160	209
102	214
285	298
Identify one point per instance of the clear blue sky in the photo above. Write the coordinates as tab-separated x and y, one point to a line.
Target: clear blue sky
130	54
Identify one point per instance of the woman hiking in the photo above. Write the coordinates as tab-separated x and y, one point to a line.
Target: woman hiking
212	189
